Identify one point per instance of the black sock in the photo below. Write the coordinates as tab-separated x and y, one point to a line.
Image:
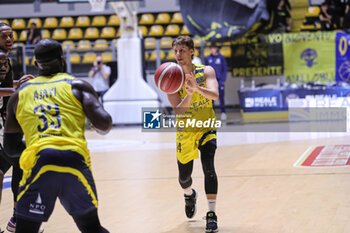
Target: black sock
14	215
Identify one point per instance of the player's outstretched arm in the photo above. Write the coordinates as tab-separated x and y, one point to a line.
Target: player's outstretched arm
7	91
13	144
93	109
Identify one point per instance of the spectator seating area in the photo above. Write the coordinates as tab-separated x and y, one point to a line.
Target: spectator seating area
87	36
311	19
336	10
297	13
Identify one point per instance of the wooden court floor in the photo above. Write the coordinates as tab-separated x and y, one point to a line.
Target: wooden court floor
260	191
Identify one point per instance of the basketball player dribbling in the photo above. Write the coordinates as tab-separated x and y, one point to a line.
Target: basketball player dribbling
50	111
195	100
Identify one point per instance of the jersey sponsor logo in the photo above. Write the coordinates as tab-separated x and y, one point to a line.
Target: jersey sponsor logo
200	103
38	207
200	80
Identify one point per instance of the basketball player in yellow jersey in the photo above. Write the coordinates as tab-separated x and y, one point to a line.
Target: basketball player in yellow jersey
195	99
50	111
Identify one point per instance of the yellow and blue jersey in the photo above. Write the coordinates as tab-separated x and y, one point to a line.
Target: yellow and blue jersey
191	137
50	117
201	108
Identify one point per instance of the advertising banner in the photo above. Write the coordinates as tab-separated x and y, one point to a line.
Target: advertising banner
342	48
309	56
262	100
257	57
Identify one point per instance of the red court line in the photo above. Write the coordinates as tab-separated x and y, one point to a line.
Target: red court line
348	163
311	158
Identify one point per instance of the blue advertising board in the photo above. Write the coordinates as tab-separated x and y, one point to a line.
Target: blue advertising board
264	100
260	100
342	48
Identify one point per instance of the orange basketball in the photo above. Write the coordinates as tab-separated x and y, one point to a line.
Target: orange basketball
169	77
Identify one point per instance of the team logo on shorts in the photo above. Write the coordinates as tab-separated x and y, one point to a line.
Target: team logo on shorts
37	207
152	119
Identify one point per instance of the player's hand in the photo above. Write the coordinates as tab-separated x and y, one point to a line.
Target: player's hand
24	79
191	84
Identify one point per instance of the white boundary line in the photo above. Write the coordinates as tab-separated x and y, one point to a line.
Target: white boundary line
302	156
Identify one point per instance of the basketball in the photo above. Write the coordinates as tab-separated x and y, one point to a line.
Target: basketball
169	77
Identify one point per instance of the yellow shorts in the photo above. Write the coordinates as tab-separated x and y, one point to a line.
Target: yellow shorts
187	144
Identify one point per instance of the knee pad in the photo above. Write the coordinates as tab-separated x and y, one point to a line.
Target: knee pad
186	182
207	157
185	171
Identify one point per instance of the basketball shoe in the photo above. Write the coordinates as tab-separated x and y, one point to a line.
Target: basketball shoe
212	225
11	226
191	206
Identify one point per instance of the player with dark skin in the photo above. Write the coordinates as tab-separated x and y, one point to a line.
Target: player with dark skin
6	42
4	68
52	66
5	91
85	93
7	88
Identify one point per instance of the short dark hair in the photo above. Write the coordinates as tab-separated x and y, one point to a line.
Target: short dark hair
49	57
183	40
47	50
